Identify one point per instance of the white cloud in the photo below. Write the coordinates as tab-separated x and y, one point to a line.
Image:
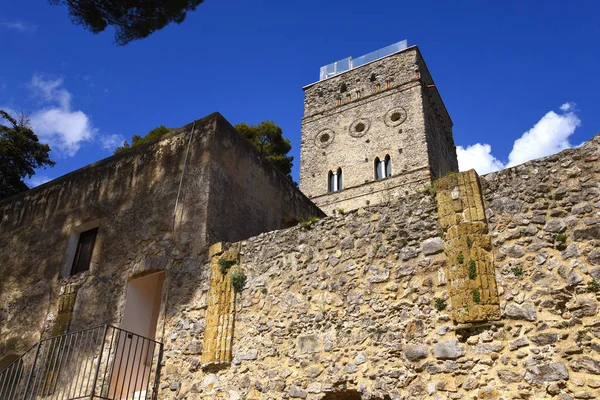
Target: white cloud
479	157
63	128
110	142
19	26
548	136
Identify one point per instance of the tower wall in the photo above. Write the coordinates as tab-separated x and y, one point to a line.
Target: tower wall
382	108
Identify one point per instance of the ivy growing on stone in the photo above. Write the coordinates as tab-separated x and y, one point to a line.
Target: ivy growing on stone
517	271
593	286
469	242
472	269
238	280
225	265
460	258
476	296
440	304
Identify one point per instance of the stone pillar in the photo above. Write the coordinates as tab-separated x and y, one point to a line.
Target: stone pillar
468	248
66	305
220	314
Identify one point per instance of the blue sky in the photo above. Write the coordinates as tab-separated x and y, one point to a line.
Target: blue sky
520	79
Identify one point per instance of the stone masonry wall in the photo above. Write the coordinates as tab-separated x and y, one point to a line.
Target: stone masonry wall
359	303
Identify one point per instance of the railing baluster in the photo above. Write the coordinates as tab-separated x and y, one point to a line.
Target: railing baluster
69	364
39	363
121	349
137	340
99	362
130	337
157	373
112	338
137	375
151	365
75	354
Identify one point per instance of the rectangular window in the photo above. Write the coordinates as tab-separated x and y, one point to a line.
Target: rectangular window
83	253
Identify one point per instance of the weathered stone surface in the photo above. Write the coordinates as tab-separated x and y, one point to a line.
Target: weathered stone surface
544	338
551	372
448	350
591	233
583	305
508	376
525	311
433	246
586	364
555	226
517	344
415	352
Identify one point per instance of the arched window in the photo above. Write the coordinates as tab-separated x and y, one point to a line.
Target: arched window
378	172
383	169
388	166
330	182
334	181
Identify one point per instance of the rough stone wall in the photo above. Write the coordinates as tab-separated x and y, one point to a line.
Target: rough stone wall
137	201
366	113
359	303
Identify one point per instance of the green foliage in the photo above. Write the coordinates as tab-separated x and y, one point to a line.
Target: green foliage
476	296
429	189
238	280
472	269
137	140
225	265
469	242
21	154
560	238
564	324
517	271
340	211
269	141
264	291
460	258
440	304
131	20
593	286
442	235
309	222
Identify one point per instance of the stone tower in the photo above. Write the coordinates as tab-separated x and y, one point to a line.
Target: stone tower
373	128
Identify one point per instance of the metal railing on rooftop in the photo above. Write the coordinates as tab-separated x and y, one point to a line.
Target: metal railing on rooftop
349	63
104	362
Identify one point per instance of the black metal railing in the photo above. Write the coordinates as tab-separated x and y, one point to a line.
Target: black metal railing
104	362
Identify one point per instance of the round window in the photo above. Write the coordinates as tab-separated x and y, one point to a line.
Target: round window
395	116
324	138
359	127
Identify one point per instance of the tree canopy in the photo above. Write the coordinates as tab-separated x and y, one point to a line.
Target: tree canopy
137	140
131	19
20	154
268	138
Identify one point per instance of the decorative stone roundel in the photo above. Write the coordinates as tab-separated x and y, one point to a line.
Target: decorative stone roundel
324	138
359	127
395	116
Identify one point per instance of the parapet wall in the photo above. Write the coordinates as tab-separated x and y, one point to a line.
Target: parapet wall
359	305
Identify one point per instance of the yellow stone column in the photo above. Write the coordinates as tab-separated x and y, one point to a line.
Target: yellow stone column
220	314
468	248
